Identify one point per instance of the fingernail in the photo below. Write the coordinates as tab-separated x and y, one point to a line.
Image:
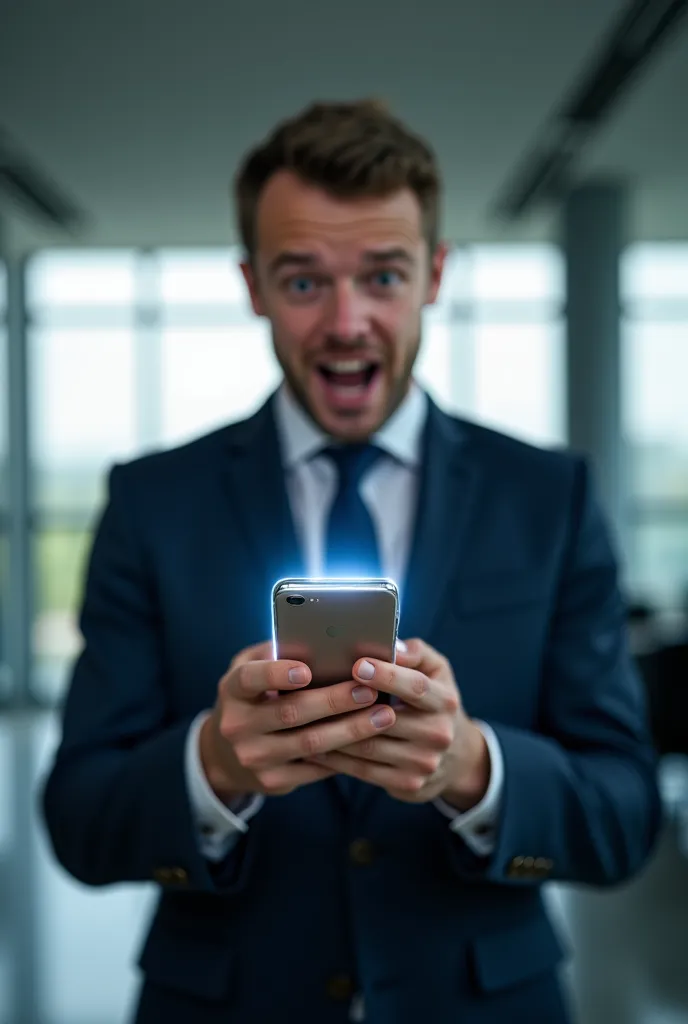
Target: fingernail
362	694
401	646
381	718
366	670
298	676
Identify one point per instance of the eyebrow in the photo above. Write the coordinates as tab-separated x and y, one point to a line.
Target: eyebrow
396	255
291	259
305	260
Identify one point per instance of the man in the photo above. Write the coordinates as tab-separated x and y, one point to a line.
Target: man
323	858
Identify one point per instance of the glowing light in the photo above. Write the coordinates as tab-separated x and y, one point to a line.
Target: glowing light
338	584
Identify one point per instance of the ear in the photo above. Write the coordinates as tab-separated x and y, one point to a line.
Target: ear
251	279
437	262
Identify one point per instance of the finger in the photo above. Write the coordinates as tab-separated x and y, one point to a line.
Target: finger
411	685
431	731
261	752
421	656
287	777
253	679
297	709
262	652
404	656
292	651
387	777
396	753
256	652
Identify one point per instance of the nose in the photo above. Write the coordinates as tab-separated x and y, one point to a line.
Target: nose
347	317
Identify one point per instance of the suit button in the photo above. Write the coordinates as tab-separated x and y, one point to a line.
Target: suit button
171	876
361	852
340	988
543	865
515	869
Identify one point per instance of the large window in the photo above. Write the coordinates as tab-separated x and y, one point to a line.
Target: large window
130	352
655	387
502	308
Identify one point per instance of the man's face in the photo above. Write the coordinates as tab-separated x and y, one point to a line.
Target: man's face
343	283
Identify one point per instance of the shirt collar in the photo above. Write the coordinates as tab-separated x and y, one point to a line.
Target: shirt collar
401	436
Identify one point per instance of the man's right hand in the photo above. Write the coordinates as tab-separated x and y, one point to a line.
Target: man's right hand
265	723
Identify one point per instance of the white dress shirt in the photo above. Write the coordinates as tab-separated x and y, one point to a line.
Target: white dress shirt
389	491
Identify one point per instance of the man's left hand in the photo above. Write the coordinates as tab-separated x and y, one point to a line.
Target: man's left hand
433	749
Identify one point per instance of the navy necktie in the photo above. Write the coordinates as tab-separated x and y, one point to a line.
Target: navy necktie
351	547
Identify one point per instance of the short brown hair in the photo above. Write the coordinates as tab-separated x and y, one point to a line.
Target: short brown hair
351	150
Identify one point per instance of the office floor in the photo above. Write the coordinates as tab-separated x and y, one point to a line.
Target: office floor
68	951
630	963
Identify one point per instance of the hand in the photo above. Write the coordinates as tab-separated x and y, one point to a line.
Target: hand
258	739
433	749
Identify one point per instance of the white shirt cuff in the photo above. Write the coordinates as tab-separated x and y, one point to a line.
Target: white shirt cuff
218	826
478	827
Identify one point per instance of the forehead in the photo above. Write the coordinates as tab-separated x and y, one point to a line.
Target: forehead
293	214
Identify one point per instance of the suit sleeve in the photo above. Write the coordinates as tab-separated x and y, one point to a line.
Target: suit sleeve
115	802
580	800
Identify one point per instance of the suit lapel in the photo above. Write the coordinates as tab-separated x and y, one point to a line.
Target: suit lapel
447	501
258	495
448	492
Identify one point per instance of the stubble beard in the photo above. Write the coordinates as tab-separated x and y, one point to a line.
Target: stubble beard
398	391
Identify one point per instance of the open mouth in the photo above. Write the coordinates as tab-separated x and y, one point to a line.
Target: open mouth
352	377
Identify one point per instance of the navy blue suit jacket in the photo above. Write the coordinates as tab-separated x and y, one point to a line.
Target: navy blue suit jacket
512	577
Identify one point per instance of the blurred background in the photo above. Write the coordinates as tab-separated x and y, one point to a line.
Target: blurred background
561	129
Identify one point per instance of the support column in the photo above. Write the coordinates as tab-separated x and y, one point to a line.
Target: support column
19	608
5	670
19	867
593	230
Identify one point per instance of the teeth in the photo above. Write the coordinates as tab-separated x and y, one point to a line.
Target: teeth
351	389
347	366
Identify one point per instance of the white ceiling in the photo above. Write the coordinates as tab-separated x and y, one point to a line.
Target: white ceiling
141	109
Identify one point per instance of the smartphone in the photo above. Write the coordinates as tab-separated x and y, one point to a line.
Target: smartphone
330	624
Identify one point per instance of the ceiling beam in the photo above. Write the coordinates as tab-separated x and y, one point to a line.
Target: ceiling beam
34	190
547	171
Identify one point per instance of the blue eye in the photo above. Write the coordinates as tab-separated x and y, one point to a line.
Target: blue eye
301	285
387	278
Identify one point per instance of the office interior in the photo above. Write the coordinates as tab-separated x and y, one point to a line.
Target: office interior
124	327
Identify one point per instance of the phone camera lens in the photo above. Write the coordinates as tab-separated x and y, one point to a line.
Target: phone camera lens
295	599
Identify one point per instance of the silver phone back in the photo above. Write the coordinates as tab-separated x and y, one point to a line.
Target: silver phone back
337	623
